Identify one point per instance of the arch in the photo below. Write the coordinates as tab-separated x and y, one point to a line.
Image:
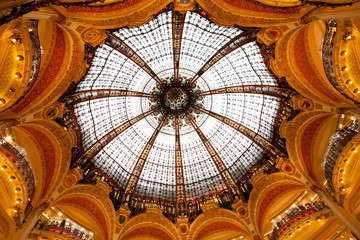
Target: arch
129	13
269	190
348	161
7	225
60	64
299	51
90	206
148	232
281	3
250	14
307	137
218	223
49	150
329	227
346	56
15	61
12	183
149	224
220	229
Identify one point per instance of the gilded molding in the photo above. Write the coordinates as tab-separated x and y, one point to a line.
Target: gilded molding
302	224
216	215
12	88
293	134
122	216
73	176
348	161
269	35
47	159
266	183
282	63
95	194
60	140
56	110
293	53
184	5
153	219
248	14
75	69
348	80
48	72
132	13
10	187
72	67
94	36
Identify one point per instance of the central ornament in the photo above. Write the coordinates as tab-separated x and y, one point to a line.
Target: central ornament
176	98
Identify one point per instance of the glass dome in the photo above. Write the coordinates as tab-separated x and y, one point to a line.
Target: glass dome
178	108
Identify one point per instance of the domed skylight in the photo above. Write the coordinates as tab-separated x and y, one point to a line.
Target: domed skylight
177	108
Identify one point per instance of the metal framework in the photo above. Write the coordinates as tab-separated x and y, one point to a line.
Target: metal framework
179	171
103	93
100	144
228	180
123	48
256	89
135	175
230	46
177	28
256	138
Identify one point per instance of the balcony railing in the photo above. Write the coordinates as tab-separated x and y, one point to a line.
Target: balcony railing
327	56
66	228
295	214
22	9
36	58
336	144
21	163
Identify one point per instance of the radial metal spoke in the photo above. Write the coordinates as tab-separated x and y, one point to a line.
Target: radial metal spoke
100	144
123	48
177	29
103	93
256	89
135	175
230	46
255	137
225	174
180	185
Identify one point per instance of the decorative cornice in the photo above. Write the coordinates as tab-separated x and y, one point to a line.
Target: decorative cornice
130	13
248	14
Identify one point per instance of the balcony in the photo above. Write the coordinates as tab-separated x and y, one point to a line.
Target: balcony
336	144
328	61
64	227
294	215
18	156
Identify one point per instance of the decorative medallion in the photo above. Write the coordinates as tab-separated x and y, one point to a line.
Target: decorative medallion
176	100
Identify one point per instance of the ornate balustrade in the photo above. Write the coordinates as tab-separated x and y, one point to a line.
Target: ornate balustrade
295	214
193	208
21	163
36	57
18	11
327	56
138	204
64	227
336	144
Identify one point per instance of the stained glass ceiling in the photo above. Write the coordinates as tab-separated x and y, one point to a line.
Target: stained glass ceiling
177	108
